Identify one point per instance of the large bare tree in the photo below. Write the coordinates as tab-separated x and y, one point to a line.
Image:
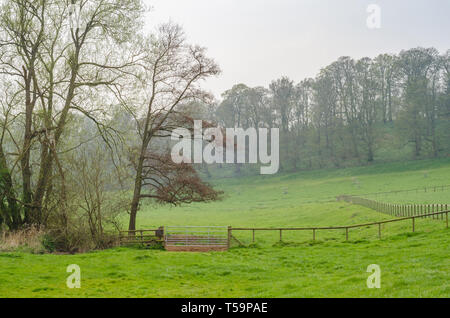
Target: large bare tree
172	72
60	57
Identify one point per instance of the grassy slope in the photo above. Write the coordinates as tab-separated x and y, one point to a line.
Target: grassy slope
412	265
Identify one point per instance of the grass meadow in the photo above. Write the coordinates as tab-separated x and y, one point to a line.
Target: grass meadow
412	264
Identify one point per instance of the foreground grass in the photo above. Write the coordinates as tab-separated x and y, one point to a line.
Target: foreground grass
412	264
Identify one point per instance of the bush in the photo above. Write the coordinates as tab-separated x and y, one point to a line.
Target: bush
48	243
29	239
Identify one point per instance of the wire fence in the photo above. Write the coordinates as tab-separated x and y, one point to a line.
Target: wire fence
429	189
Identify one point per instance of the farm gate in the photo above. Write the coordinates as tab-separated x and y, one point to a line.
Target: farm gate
196	238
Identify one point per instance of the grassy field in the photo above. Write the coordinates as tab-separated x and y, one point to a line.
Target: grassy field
412	264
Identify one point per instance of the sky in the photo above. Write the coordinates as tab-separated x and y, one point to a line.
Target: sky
257	41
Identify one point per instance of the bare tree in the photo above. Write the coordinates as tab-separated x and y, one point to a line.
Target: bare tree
60	69
171	74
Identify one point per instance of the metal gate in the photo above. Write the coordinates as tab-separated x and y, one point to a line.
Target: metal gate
196	238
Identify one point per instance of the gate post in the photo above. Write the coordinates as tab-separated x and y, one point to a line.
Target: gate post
229	237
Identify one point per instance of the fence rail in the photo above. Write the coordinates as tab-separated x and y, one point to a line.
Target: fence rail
344	227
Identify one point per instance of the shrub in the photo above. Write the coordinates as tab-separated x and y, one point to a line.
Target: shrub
29	239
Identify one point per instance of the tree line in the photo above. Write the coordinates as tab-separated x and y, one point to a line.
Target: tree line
391	107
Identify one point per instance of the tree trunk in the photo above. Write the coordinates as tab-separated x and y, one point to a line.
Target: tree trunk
26	150
9	214
47	162
138	184
136	198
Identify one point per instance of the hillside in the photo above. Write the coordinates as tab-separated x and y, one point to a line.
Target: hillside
412	264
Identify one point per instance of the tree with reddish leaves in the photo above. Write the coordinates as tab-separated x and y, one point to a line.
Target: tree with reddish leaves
169	182
170	75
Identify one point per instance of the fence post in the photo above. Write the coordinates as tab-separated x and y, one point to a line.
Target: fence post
346	233
314	234
253	235
446	219
379	230
413	225
281	238
446	209
229	237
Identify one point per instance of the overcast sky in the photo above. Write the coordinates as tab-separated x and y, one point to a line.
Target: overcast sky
257	41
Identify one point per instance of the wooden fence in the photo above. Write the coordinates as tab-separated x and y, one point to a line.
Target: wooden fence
187	239
141	236
345	228
398	210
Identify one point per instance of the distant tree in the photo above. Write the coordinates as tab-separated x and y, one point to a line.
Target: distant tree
367	103
416	66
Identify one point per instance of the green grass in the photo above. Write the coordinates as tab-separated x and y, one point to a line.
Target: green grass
412	264
438	196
